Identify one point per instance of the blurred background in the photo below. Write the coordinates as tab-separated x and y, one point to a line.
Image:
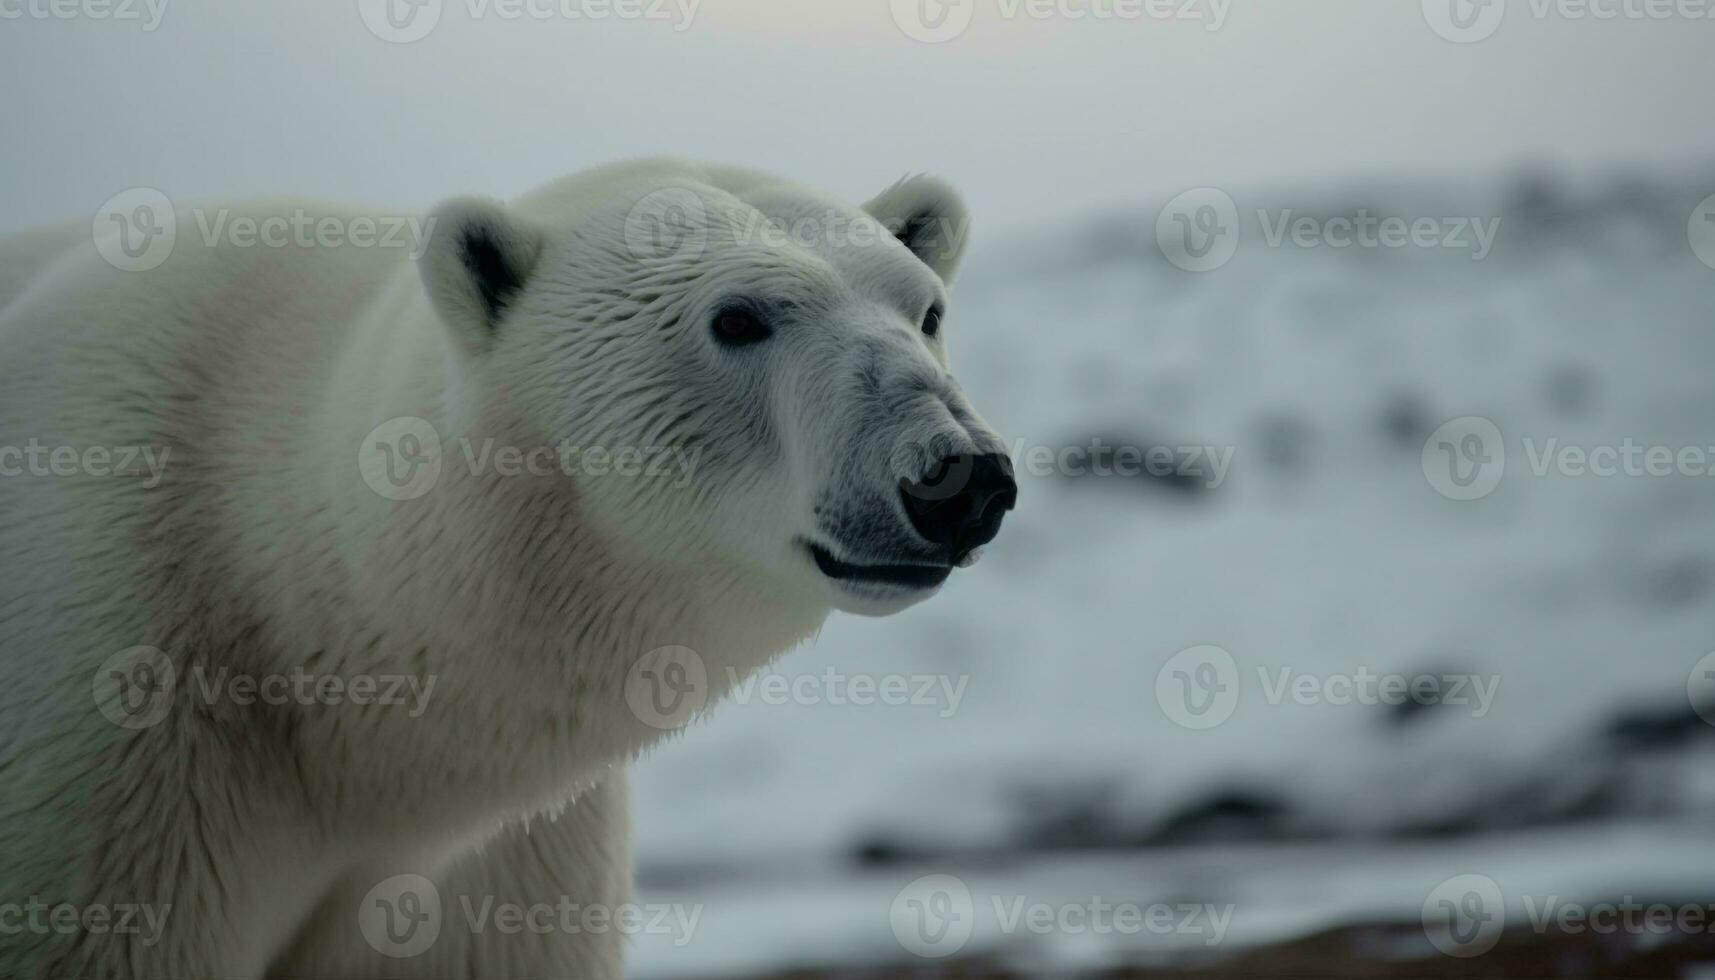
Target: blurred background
1356	619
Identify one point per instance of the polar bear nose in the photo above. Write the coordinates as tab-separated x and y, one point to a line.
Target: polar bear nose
960	503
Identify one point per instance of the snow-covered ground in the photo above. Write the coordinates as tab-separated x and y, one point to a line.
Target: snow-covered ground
1029	749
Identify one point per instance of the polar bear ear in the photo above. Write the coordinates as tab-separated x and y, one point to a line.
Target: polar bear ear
927	215
478	258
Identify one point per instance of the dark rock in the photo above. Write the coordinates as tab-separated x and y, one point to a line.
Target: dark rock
1679	582
1076	816
883	852
1407	421
1571	390
1119	461
1284	442
1647	729
1418	707
1227	815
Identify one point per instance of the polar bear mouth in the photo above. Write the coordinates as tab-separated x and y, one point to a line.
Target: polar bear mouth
908	576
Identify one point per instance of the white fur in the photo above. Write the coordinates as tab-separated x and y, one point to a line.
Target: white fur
525	599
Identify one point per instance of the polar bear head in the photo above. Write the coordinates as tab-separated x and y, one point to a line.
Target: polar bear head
772	363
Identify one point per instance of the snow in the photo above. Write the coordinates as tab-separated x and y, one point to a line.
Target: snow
1325	552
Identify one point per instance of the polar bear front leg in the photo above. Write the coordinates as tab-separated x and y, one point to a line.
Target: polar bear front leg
497	912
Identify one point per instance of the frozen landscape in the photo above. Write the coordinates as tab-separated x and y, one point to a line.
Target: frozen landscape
1031	745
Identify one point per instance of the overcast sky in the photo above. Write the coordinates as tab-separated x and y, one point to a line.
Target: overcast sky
1033	117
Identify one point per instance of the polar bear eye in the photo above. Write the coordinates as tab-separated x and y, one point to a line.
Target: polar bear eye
739	328
932	322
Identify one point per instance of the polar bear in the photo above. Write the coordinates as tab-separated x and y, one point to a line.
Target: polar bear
222	550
